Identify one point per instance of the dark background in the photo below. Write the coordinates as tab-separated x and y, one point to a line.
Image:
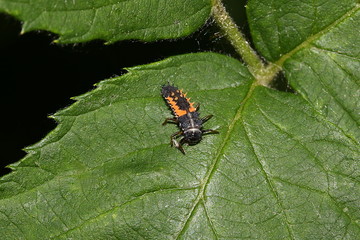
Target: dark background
39	77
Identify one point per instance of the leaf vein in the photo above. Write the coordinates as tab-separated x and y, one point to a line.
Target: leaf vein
210	222
213	165
115	208
312	38
327	194
270	183
333	96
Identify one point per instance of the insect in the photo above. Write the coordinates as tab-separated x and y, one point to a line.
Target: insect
186	117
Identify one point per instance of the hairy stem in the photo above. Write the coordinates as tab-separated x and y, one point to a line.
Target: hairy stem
263	74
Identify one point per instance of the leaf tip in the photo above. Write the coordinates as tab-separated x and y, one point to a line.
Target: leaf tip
52	116
23	31
108	43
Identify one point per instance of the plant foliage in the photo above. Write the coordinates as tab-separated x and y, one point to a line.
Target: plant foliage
284	166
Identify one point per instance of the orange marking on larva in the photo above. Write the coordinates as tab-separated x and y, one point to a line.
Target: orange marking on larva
192	108
186	117
179	112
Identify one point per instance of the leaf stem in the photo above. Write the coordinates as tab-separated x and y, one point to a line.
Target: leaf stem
263	74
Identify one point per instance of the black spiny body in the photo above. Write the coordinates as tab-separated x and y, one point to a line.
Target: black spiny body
186	117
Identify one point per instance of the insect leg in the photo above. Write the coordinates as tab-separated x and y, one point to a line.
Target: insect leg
173	137
170	120
175	143
205	119
197	107
209	131
182	141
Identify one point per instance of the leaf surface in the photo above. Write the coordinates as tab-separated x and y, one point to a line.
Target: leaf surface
110	20
278	27
284	166
277	170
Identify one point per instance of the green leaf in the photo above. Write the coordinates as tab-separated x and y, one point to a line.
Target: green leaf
330	75
108	169
111	20
109	161
284	166
279	26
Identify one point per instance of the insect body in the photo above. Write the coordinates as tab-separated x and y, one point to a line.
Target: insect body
186	117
